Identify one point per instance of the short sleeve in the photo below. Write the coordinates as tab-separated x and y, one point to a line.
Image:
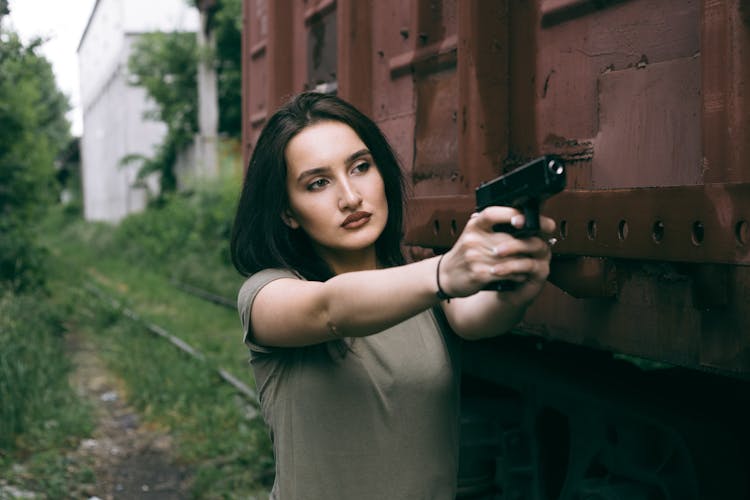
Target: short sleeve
246	297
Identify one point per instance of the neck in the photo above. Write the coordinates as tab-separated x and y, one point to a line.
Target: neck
348	262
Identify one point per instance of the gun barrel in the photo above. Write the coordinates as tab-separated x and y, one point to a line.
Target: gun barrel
536	180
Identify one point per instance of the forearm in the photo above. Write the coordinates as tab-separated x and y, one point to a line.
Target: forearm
485	314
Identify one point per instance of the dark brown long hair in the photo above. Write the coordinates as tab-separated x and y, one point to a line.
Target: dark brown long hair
260	239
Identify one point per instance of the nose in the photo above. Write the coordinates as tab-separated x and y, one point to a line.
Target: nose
349	196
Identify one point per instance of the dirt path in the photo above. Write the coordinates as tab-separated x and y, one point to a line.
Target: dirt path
130	459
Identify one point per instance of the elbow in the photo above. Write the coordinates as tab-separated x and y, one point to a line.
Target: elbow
333	331
325	318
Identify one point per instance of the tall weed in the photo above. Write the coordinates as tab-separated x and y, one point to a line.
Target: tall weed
38	408
185	237
217	432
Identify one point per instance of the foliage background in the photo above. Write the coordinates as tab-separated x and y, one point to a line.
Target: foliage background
39	411
164	64
34	132
49	255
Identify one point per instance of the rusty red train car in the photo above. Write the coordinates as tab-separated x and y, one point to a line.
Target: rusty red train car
629	377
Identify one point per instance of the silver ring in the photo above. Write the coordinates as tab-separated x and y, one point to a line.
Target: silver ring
551	242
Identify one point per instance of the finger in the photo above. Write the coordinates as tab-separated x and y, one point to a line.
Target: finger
509	247
547	225
514	266
517	277
491	216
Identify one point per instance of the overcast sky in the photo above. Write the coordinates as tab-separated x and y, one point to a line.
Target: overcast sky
62	22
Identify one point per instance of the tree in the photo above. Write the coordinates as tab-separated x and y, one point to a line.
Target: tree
225	21
227	26
34	132
164	64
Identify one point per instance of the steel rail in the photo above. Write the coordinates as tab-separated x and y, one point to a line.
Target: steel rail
159	331
205	295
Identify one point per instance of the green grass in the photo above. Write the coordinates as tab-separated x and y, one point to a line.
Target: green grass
53	473
41	418
228	451
138	262
217	433
213	330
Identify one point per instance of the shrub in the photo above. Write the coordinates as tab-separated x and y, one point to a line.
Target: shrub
34	132
185	236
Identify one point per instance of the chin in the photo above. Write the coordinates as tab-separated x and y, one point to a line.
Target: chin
359	242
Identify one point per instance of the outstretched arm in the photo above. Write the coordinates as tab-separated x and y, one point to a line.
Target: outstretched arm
290	312
293	312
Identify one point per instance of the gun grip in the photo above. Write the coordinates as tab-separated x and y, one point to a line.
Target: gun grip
530	227
531	221
502	286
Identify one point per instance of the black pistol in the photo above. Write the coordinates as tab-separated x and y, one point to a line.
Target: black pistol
524	188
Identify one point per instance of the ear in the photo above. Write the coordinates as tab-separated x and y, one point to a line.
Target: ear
289	219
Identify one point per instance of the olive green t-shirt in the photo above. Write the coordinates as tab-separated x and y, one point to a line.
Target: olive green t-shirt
379	421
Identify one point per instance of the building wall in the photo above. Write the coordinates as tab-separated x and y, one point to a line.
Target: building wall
113	124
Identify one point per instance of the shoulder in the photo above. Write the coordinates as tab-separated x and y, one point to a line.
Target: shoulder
258	280
250	288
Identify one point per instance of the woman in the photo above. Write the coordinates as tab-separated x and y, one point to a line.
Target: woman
354	351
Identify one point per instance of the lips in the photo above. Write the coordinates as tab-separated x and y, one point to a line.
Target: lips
356	219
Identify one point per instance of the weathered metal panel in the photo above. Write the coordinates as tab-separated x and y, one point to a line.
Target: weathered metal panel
657	314
254	71
725	35
623	78
698	224
647	101
651	240
355	53
433	64
691	224
649	133
436	137
483	90
282	52
392	35
322	32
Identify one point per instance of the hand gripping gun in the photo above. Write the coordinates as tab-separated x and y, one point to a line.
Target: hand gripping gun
524	188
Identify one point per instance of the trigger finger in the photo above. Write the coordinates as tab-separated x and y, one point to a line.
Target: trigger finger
494	216
547	225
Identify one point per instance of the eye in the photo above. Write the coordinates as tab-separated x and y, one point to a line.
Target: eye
317	184
361	168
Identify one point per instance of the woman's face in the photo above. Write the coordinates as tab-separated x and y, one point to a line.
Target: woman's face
336	194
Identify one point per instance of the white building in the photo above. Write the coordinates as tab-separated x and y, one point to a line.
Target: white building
113	123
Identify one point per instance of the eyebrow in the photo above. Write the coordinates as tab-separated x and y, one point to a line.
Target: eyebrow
319	170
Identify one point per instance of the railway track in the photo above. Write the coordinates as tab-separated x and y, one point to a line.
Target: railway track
205	295
243	389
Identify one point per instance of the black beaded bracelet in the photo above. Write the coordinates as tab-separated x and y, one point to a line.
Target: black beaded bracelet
440	292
